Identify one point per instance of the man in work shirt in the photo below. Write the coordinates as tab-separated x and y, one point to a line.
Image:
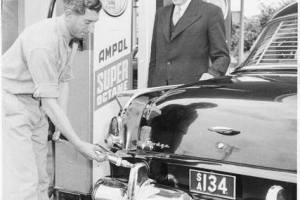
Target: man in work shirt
35	75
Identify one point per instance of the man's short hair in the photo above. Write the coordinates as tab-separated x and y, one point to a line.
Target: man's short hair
79	6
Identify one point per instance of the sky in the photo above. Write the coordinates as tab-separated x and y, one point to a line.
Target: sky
251	6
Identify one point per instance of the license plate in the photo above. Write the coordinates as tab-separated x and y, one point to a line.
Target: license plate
214	184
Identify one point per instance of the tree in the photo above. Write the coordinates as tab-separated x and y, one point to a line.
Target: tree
254	25
268	11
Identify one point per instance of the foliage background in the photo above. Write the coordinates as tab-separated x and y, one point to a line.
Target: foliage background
253	26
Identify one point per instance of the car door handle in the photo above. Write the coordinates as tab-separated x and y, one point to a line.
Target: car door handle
224	130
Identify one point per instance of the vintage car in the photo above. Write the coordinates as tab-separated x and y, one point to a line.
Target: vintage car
233	137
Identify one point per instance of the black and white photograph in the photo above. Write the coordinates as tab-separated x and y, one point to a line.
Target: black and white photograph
149	99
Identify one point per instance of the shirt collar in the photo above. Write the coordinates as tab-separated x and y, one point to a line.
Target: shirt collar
63	30
184	6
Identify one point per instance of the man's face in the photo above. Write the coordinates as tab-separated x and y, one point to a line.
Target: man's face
179	2
81	25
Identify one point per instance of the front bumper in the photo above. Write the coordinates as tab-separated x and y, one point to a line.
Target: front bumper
139	186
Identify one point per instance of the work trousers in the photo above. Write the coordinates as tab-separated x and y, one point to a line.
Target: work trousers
25	131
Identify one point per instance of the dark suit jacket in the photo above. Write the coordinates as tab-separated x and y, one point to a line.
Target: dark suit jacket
198	36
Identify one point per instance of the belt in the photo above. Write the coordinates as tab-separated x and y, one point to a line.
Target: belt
31	96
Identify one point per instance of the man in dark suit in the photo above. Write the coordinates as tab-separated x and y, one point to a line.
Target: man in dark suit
186	35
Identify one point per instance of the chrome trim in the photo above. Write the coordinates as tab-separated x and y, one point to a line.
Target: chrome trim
243	64
139	92
255	171
134	94
248	171
110	189
274	16
265	173
138	175
131	120
274	192
271	66
140	186
224	130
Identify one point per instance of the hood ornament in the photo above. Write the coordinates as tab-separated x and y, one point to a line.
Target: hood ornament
226	149
145	142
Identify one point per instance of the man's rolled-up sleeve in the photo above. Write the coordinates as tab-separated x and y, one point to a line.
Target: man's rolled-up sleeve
43	69
67	74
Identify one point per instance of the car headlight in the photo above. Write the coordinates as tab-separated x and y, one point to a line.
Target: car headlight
276	192
114	138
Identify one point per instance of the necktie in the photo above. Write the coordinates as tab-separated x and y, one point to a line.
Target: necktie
176	14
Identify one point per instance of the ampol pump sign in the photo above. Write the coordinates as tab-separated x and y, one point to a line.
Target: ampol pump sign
112	71
112	51
114	77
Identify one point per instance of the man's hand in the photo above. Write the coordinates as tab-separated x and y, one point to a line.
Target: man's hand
91	151
206	76
56	135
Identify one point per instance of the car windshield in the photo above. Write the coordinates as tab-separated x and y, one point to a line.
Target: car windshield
276	47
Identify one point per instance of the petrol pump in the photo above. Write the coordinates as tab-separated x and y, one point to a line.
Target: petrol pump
103	68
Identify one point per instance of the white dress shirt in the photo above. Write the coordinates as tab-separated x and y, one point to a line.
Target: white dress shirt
179	11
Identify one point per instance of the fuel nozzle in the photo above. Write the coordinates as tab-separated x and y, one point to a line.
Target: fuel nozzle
115	159
118	161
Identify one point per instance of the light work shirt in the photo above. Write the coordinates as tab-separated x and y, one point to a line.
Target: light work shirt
38	61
